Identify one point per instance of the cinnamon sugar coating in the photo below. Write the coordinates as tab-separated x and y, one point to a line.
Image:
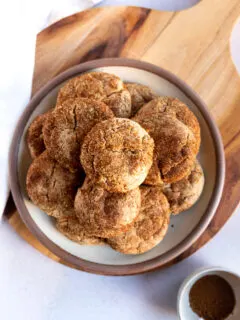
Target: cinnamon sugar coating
140	95
51	187
66	127
183	194
150	226
105	214
117	154
73	230
93	85
35	140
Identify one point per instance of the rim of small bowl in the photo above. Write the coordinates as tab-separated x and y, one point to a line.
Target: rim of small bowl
104	269
196	275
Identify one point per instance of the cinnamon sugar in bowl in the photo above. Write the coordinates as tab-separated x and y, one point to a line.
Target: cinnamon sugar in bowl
222	288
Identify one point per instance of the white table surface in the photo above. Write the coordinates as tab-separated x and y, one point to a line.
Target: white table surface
33	287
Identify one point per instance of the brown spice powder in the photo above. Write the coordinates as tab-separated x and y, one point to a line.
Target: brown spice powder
212	298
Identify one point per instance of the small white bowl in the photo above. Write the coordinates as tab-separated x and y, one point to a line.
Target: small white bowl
184	310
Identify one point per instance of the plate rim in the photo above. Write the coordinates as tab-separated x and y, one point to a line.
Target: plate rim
94	267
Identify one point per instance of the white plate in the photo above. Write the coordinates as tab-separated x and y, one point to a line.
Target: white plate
184	228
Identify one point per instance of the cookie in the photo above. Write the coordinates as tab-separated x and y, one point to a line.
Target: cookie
93	85
117	154
183	194
150	226
51	187
175	108
105	214
119	103
35	141
71	228
175	146
67	125
140	95
154	176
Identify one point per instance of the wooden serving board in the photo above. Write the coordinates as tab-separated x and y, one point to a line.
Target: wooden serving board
193	44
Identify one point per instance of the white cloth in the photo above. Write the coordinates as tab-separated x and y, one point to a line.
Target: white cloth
164	5
235	45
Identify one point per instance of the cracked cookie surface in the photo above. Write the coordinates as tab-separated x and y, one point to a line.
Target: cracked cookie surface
184	194
175	108
140	95
150	226
105	214
119	103
175	147
35	140
94	85
67	125
72	229
51	187
117	154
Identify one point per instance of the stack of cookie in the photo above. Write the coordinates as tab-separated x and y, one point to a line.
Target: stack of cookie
113	161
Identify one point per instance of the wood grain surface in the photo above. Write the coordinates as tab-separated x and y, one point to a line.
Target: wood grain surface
193	44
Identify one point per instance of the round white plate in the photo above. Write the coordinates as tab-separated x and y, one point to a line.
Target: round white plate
184	228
